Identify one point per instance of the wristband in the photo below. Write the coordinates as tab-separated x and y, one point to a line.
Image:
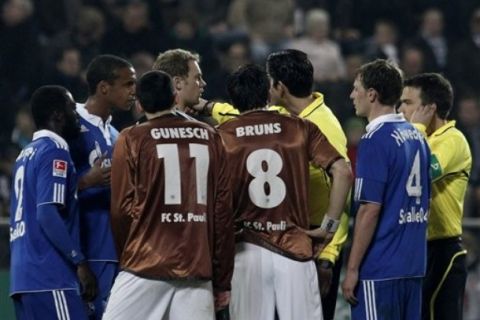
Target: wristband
330	225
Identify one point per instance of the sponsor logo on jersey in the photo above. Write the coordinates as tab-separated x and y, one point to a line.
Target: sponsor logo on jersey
60	168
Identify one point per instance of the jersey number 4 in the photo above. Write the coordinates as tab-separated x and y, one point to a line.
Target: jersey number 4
171	161
414	187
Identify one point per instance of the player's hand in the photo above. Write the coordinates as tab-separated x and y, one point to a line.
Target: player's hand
200	106
348	286
424	114
87	281
97	175
321	238
222	299
325	275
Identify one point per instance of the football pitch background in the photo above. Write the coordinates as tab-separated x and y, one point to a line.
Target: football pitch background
6	306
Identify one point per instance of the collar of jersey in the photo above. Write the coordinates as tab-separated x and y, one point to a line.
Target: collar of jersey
391	117
96	121
445	127
52	135
93	119
318	102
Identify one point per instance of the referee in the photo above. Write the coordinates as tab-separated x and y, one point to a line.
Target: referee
427	101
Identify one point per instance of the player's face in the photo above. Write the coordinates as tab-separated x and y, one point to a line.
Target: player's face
190	88
409	101
71	128
359	98
121	93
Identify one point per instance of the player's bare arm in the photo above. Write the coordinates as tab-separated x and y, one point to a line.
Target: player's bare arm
341	183
365	225
87	281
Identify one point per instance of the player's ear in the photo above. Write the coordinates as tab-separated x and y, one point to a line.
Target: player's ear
178	82
282	89
138	107
372	95
102	87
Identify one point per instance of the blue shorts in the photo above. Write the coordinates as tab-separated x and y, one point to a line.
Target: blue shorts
396	299
105	272
55	304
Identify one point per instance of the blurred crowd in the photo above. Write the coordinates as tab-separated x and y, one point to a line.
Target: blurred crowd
52	42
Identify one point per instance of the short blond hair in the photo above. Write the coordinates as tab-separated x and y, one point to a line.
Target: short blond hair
175	62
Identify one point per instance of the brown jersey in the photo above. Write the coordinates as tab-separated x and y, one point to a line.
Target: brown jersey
268	155
171	203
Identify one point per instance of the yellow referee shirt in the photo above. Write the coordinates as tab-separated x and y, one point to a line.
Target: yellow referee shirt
318	113
450	169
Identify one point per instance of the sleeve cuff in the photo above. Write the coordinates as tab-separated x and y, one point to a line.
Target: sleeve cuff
327	255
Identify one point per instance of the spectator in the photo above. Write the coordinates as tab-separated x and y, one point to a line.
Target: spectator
324	53
412	61
432	42
67	73
383	44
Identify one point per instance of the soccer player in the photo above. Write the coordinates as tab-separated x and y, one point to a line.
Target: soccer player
391	201
291	74
49	273
270	154
171	213
111	81
427	102
183	66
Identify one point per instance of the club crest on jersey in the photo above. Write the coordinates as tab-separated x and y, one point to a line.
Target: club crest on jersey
60	168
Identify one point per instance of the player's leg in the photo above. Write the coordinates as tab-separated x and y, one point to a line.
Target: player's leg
252	284
413	298
105	272
133	297
444	284
56	304
329	302
297	292
192	300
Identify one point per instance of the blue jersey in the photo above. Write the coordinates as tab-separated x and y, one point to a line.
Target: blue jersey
96	139
43	174
392	169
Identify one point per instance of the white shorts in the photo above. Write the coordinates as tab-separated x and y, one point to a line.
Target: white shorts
133	297
264	281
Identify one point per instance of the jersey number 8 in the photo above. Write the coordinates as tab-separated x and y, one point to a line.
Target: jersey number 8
265	165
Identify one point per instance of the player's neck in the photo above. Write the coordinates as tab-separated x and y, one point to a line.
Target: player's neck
380	110
157	114
297	105
436	124
96	107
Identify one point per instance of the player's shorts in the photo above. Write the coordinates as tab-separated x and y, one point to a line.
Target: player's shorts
397	299
444	283
105	272
55	304
264	281
133	297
